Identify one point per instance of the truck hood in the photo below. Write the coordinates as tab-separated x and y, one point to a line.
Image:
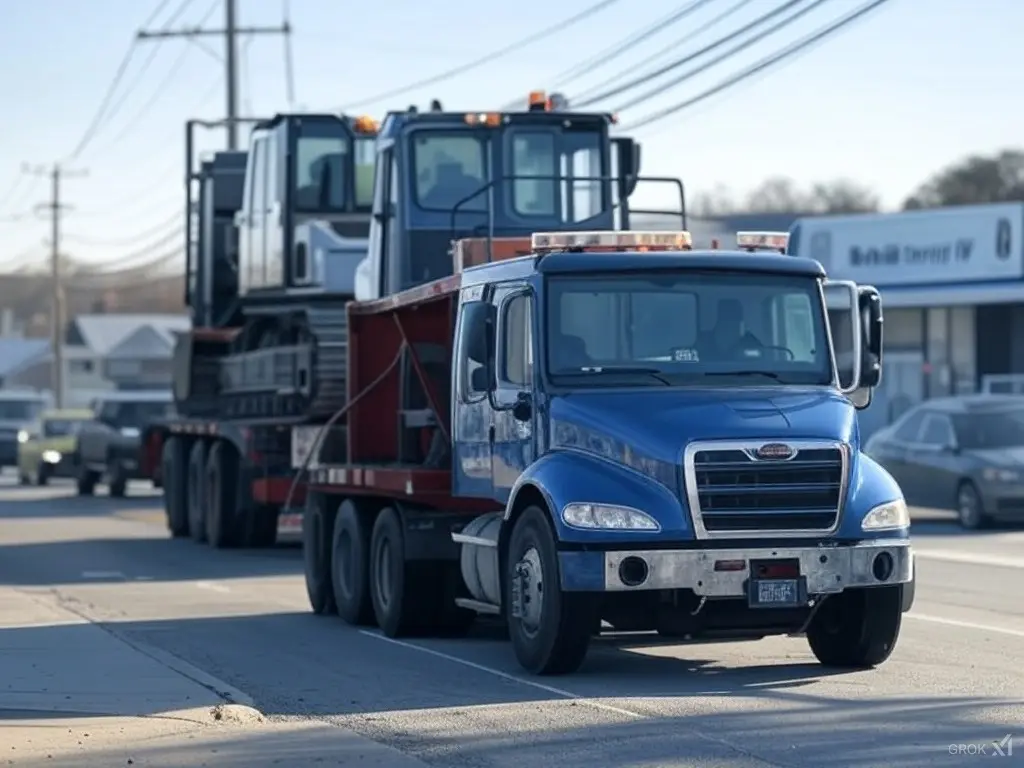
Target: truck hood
655	425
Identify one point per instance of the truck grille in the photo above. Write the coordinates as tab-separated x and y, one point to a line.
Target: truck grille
732	492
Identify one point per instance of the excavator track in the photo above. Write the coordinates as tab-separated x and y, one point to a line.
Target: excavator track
303	379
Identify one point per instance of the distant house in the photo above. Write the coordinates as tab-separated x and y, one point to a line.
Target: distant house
101	353
19	359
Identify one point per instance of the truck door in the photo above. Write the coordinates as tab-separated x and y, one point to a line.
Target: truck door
472	418
512	434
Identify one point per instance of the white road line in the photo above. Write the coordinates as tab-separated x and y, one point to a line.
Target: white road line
966	624
209	585
559	692
953	556
103	575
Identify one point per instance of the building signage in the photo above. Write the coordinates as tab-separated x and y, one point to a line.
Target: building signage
946	245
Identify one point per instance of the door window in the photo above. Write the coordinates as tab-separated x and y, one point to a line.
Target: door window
936	431
907	431
517	341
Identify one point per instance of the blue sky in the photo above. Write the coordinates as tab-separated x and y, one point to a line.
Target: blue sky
913	87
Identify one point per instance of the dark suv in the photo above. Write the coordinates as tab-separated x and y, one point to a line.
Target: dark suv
108	446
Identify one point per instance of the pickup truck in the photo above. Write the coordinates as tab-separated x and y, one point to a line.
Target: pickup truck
108	446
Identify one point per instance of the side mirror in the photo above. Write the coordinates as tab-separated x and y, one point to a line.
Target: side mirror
477	329
870	305
628	160
522	409
844	320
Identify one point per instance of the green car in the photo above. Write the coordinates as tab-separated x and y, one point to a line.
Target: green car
47	448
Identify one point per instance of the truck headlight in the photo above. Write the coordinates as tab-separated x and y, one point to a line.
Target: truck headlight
22	436
51	457
608	517
890	516
130	431
1001	475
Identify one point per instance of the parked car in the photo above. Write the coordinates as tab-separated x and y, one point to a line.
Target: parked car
19	409
109	444
47	447
961	453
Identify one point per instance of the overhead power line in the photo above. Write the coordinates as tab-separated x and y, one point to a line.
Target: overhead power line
462	69
672	47
643	98
760	66
610	54
677	63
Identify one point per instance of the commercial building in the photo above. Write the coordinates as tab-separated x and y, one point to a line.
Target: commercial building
952	284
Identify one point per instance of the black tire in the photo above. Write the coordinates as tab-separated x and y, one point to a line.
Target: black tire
401	602
349	565
117	480
195	491
317	534
24	479
222	524
172	468
970	510
43	474
858	628
557	642
87	480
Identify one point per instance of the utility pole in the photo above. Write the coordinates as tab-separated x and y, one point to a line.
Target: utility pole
230	33
55	209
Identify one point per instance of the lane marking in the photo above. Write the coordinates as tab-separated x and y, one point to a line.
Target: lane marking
103	575
968	558
966	624
209	585
559	692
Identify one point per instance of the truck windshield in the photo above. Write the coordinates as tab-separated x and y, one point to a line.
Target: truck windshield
551	174
687	328
20	410
61	427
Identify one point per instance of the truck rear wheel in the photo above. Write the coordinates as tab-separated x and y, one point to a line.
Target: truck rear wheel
195	490
117	479
87	480
400	601
551	630
317	534
172	469
857	628
222	496
349	562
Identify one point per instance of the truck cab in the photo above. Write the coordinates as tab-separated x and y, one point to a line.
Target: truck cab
443	176
672	437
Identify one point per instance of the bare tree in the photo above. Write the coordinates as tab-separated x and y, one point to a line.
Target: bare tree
974	180
782	195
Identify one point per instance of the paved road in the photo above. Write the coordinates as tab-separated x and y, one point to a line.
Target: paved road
238	622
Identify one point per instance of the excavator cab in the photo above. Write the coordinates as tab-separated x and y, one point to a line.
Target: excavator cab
444	176
307	204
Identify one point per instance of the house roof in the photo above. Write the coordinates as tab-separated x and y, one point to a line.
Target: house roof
144	343
15	354
102	333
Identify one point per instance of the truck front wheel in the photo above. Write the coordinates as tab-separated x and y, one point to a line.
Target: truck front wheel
858	628
550	629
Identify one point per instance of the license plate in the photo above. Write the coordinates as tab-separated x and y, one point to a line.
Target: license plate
775	593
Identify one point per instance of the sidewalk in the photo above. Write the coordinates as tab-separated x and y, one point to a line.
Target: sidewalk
73	695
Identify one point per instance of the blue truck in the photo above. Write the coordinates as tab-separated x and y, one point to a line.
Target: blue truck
611	431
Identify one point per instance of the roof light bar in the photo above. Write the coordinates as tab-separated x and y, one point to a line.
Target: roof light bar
757	241
543	242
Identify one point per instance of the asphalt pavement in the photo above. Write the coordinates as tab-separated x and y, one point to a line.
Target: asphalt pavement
167	653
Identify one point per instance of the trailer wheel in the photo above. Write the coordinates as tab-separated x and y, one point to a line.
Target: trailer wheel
172	466
195	491
857	628
221	493
349	563
317	534
551	630
117	479
401	602
87	480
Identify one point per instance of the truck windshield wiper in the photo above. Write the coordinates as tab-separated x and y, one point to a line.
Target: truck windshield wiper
626	369
768	374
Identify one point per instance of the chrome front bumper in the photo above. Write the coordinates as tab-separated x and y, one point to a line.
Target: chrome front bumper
828	570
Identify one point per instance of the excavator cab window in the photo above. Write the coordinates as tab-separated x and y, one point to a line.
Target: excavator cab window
323	167
568	168
364	158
